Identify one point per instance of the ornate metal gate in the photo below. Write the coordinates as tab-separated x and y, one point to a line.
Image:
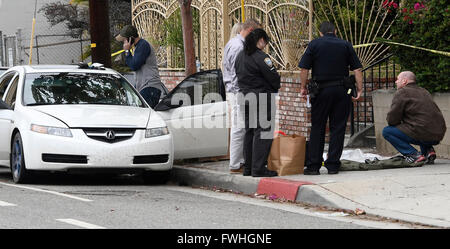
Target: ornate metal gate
286	22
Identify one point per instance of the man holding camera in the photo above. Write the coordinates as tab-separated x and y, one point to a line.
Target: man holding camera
330	59
141	58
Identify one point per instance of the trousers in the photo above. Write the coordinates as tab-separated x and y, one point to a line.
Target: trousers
259	129
237	132
333	104
151	95
402	142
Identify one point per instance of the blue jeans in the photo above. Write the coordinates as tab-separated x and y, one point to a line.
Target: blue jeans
402	142
151	95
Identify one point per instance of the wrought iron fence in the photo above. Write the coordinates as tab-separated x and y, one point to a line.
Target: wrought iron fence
379	75
286	22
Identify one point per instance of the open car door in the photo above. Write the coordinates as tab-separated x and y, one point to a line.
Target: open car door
196	112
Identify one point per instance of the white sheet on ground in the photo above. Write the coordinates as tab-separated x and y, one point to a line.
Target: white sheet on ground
357	155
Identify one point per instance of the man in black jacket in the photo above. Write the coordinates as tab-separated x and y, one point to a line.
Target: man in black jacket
330	59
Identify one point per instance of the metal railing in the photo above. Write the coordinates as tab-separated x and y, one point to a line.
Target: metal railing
379	75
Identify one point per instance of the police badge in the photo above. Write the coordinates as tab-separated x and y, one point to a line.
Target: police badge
268	62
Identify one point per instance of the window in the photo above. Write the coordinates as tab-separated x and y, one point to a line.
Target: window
4	83
79	88
200	88
12	93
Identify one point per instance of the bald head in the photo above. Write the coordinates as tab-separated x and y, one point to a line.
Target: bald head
404	78
410	76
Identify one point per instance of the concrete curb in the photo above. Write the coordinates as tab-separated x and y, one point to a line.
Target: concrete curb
214	179
304	192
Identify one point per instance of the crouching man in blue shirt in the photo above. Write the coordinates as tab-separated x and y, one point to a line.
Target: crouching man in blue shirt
141	58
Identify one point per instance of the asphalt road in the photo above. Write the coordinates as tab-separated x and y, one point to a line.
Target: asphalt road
61	201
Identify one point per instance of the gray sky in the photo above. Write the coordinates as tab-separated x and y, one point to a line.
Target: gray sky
16	14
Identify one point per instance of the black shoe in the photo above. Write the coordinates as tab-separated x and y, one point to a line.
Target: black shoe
333	171
264	173
247	173
311	172
431	156
247	170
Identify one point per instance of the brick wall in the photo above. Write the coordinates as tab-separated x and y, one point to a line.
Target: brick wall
293	115
171	78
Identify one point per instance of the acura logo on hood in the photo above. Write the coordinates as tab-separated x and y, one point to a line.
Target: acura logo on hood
110	135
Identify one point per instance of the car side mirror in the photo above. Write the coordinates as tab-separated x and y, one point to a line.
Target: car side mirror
4	106
166	104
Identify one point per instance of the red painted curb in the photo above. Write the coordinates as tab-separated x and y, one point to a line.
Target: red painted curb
280	188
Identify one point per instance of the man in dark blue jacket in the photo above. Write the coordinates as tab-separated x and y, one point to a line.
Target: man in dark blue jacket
141	58
330	59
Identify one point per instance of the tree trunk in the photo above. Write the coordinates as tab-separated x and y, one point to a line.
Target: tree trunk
188	36
100	33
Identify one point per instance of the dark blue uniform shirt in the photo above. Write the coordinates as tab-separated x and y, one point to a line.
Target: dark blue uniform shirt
256	73
330	58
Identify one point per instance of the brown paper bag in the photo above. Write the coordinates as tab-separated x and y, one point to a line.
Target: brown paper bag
287	155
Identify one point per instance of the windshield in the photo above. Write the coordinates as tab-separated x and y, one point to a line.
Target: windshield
79	88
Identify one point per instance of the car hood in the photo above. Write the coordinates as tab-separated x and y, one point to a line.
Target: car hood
105	116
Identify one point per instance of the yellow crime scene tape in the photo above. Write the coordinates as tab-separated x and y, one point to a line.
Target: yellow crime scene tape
117	53
404	45
362	46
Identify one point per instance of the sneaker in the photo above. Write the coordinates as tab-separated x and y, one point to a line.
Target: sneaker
431	156
415	158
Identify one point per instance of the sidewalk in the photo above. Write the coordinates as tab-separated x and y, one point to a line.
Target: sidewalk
419	195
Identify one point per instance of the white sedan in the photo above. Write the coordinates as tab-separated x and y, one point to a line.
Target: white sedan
66	118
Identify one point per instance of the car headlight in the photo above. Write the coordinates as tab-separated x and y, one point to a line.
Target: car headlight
155	132
56	131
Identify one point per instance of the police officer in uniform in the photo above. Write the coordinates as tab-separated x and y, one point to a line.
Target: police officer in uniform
330	59
258	81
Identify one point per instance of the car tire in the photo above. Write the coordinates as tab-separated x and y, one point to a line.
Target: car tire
17	163
156	177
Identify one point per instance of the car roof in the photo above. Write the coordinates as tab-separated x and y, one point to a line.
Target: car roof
62	68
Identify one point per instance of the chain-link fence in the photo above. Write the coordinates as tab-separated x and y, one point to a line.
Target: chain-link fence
54	49
47	49
8	50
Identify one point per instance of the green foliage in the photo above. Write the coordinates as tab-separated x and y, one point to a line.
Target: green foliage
173	28
424	24
344	13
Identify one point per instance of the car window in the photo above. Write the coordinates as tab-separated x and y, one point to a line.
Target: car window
79	88
12	93
203	87
4	83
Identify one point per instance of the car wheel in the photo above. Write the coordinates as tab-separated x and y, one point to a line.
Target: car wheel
19	172
156	177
